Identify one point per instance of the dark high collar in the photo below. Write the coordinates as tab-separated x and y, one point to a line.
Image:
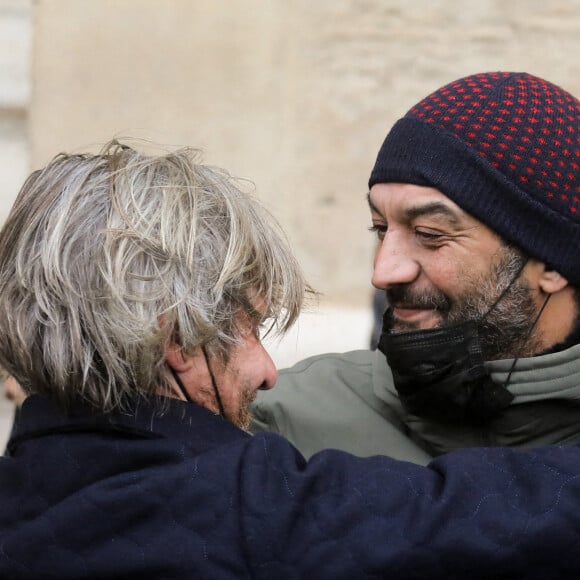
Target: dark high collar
150	418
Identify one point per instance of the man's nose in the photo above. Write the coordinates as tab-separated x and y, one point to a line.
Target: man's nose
393	264
270	372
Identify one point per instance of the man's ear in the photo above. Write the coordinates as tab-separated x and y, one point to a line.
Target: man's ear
176	358
551	281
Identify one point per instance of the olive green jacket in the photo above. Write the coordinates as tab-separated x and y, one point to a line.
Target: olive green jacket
348	401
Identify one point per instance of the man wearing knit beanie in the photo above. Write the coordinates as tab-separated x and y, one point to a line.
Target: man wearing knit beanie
475	201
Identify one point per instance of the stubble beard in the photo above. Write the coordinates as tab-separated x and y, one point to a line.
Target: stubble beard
243	417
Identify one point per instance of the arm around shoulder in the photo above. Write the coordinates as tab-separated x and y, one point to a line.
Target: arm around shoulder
471	514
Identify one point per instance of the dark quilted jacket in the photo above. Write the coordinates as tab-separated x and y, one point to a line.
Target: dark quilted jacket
187	495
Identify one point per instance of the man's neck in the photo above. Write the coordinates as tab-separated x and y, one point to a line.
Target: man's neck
572	339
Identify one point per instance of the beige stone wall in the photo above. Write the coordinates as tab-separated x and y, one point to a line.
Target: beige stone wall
294	94
15	48
15	42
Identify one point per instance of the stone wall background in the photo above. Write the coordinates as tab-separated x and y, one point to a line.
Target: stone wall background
15	54
295	95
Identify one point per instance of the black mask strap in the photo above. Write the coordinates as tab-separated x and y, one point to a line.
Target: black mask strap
505	291
213	384
180	385
532	326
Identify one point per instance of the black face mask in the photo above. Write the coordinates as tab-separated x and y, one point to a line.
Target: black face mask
439	372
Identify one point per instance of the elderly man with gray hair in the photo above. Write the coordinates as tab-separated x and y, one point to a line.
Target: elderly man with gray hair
133	290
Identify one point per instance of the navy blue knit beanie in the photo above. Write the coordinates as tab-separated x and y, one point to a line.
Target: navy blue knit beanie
505	147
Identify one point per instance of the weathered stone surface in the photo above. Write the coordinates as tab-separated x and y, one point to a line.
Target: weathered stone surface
13	158
297	96
15	52
15	48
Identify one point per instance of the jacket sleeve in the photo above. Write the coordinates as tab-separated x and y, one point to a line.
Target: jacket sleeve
263	418
479	513
328	401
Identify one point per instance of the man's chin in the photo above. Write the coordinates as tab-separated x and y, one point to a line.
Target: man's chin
244	417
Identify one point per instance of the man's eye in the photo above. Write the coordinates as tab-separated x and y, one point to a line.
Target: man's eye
379	229
428	235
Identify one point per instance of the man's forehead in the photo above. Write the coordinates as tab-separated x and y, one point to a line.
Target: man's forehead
413	200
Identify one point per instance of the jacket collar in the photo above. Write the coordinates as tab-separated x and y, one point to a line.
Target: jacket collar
550	382
150	418
548	376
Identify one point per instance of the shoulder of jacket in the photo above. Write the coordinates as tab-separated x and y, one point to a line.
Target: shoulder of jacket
329	362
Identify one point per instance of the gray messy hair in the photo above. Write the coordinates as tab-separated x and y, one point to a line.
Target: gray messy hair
106	258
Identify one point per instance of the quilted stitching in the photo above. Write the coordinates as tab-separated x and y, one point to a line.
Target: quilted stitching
202	500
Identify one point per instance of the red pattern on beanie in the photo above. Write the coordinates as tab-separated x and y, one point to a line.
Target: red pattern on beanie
525	126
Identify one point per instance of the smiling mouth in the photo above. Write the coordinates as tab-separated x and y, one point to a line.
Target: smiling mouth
407	316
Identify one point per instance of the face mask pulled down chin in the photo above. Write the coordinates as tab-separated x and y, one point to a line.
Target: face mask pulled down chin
439	373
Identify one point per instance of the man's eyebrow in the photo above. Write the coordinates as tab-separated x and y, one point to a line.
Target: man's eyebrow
428	209
433	208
